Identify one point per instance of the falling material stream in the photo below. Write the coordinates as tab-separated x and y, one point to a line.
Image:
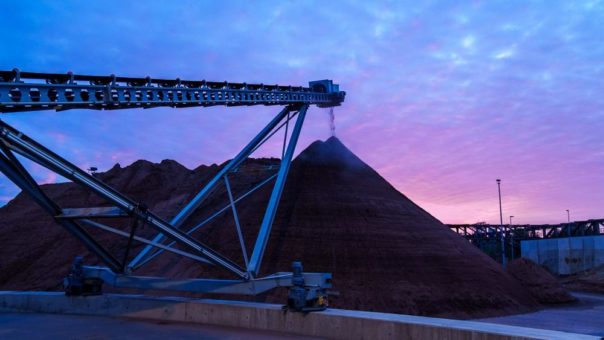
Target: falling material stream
332	122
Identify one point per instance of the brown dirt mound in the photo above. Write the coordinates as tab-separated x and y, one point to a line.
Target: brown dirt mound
591	281
542	285
337	215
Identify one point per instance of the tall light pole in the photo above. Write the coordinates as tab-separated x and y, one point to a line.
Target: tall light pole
501	225
568	219
511	239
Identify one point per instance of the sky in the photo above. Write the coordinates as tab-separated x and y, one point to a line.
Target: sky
443	97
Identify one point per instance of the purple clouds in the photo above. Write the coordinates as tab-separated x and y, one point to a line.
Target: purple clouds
443	97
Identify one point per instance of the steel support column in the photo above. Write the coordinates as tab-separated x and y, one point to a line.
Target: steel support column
236	218
271	210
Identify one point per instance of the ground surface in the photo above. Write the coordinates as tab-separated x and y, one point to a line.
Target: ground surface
584	317
51	326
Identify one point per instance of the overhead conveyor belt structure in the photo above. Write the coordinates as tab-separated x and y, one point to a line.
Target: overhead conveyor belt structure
29	91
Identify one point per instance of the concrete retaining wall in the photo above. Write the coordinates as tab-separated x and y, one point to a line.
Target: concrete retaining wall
333	323
566	256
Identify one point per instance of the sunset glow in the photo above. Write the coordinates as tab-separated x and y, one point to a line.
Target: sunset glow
442	98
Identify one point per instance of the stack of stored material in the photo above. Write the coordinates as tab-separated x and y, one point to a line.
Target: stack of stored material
337	215
544	287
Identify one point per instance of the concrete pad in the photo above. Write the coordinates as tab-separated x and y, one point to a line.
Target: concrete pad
38	326
333	323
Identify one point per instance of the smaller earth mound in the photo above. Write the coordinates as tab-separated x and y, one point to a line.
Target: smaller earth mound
591	281
542	285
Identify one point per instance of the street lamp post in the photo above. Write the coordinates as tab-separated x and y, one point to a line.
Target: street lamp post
511	239
501	225
568	221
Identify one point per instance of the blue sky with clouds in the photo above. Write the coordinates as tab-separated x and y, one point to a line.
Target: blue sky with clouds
443	96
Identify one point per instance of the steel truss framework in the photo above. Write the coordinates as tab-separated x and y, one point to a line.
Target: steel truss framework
28	91
483	235
533	231
66	91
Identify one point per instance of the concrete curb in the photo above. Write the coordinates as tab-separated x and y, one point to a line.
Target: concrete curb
333	323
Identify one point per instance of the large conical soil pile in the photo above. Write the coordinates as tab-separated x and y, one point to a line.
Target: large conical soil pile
337	215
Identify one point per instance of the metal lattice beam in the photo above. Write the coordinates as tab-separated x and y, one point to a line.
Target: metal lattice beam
27	147
532	231
196	201
28	91
12	168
